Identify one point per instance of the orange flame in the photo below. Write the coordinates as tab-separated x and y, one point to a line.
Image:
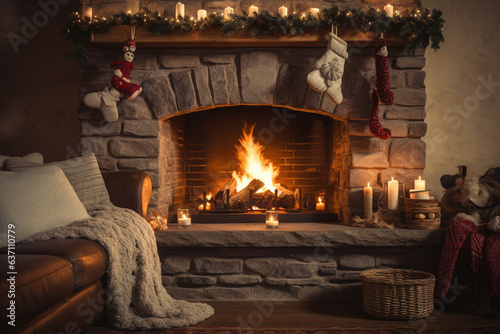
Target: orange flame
253	164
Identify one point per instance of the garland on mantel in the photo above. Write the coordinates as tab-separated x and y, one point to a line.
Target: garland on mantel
424	25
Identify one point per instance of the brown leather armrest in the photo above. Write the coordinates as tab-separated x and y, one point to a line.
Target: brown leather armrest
129	189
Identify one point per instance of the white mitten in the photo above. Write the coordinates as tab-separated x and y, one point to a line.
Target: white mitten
105	101
328	70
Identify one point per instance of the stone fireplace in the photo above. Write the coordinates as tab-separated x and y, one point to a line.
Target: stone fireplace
185	89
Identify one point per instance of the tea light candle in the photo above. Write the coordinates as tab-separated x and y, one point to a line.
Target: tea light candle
87	11
227	11
183	218
133	6
320	205
314	12
389	10
202	14
368	201
283	11
179	10
419	184
392	194
272	219
253	9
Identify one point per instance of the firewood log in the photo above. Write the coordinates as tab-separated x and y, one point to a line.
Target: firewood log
244	195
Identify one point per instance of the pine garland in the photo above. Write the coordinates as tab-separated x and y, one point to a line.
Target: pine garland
424	25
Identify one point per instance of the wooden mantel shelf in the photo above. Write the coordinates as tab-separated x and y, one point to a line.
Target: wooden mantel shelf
118	35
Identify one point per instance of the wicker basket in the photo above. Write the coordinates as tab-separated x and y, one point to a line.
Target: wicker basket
397	293
422	214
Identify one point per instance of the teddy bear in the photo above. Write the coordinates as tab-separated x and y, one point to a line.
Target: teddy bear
106	100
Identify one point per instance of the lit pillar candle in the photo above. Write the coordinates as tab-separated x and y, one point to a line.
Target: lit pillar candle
314	12
87	11
133	6
202	14
228	10
419	184
368	201
183	218
283	11
179	10
320	205
253	9
272	219
389	10
392	194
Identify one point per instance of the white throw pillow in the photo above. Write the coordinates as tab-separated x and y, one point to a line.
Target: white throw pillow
82	172
32	157
36	200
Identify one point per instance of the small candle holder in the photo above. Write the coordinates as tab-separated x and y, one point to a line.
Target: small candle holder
183	218
390	215
272	219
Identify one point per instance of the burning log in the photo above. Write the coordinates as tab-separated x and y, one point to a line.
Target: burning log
221	196
264	200
244	195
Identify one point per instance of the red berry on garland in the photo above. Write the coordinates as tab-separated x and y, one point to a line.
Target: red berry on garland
261	23
374	122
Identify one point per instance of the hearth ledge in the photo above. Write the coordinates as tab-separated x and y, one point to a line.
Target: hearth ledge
293	235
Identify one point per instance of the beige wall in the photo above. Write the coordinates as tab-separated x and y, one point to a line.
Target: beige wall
463	116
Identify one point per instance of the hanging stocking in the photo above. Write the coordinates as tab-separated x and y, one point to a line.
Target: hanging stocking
328	70
383	77
374	122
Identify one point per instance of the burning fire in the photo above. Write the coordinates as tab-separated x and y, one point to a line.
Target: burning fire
253	164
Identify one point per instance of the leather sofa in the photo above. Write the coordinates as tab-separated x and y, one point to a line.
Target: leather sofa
59	283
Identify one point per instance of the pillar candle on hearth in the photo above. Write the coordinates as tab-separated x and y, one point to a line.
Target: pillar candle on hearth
419	184
320	205
253	9
202	14
87	11
283	11
227	11
368	201
314	12
133	6
392	194
389	10
179	10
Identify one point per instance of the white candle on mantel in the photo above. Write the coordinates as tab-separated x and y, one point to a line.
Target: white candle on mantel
202	14
368	201
228	10
133	6
283	11
271	222
389	10
87	11
392	194
183	221
320	205
253	9
179	10
314	12
419	184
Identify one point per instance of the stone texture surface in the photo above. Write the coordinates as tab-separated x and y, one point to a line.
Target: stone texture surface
233	86
369	160
217	266
141	128
259	71
368	145
94	144
409	62
238	280
299	87
294	235
175	61
139	164
407	153
410	97
175	264
294	281
194	280
218	85
281	268
129	148
135	109
200	76
415	79
100	128
360	177
356	261
417	129
407	113
285	77
219	58
182	83
160	96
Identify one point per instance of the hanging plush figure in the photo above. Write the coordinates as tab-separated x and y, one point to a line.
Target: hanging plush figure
121	79
328	70
383	90
106	100
383	76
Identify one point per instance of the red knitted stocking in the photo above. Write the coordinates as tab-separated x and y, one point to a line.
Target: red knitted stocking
383	76
374	122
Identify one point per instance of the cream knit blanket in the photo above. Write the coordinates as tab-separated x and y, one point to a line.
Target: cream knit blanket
137	299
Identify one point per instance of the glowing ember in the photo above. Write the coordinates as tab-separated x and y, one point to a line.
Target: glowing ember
253	164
